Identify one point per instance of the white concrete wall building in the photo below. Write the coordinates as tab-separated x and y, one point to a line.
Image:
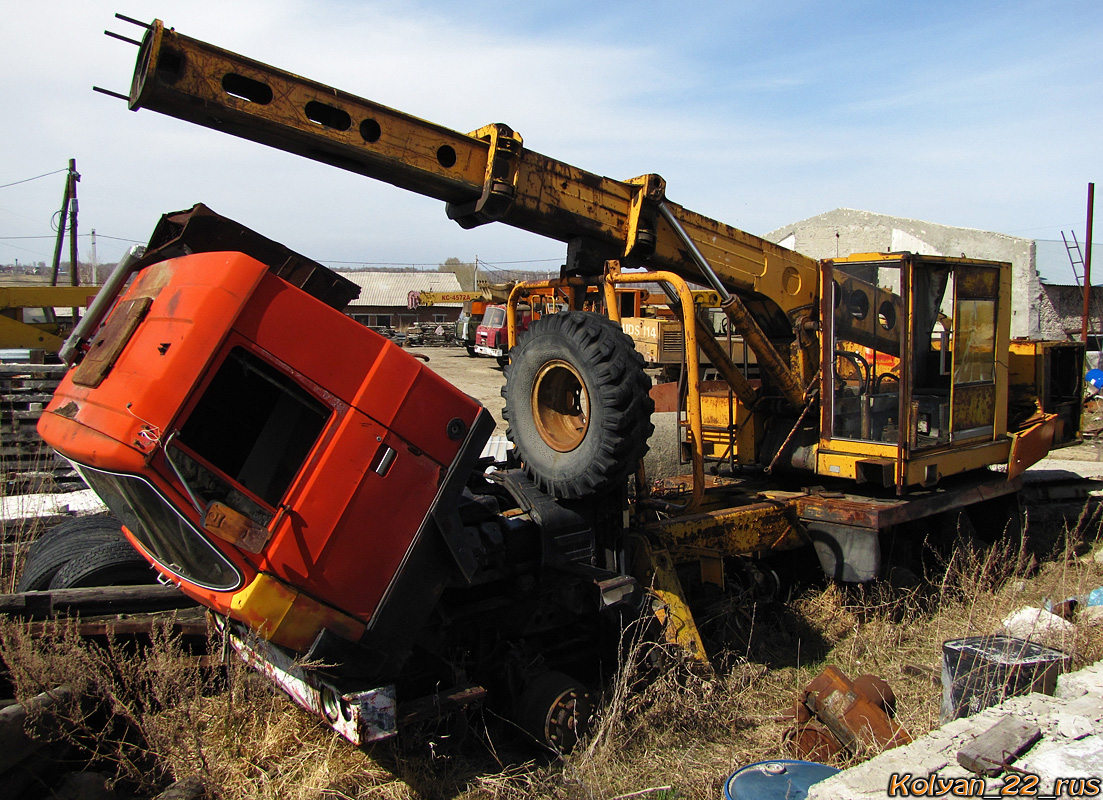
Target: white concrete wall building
845	231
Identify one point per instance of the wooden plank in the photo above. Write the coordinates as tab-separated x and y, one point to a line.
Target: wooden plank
29	397
19	413
27	384
26	450
94	600
998	746
22	434
9	550
136	625
34	369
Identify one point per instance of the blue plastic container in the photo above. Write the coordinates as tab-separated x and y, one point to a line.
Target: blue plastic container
1095	378
780	779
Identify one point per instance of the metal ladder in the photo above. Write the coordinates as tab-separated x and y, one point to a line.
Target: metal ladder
1076	257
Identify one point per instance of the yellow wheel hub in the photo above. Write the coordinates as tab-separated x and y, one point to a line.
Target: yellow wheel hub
560	406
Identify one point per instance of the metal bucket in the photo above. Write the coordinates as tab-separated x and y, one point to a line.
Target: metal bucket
780	779
982	671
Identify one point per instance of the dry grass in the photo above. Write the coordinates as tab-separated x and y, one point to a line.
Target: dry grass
15	538
664	726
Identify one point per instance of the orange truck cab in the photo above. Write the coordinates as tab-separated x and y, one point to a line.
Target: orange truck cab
294	478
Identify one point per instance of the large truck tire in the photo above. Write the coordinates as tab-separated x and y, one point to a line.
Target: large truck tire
108	564
58	546
578	407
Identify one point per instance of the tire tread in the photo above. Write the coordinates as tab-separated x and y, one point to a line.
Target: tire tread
609	357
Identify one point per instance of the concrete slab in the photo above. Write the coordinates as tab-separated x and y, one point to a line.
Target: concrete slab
1071	747
29	506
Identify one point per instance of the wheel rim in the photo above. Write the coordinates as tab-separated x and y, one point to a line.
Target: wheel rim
560	406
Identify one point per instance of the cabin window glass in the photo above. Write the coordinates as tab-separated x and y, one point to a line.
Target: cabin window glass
163	532
867	330
494	317
255	425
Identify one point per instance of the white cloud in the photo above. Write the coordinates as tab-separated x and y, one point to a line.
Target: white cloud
756	117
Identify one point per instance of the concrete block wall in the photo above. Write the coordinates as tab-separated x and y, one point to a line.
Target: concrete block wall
846	231
1062	308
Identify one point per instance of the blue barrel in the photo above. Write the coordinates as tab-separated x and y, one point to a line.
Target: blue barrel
1095	378
781	779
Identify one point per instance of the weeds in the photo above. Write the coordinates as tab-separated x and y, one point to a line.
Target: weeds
665	729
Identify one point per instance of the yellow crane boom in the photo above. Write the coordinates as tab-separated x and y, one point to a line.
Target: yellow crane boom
488	175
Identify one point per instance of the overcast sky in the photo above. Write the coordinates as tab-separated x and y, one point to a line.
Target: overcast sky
977	114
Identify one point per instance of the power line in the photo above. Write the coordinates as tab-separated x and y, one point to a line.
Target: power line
433	264
116	238
35	178
379	263
80	236
528	261
1043	228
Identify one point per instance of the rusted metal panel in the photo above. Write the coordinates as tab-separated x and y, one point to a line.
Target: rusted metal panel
734	531
974	407
655	566
858	714
1032	445
878	514
812	741
665	396
977	282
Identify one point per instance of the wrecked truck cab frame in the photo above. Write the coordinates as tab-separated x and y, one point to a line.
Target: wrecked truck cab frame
195	397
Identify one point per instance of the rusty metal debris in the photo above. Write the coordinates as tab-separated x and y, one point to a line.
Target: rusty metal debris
835	714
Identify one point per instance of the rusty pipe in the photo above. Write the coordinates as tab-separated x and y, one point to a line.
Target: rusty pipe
769	360
524	288
101	305
693	366
612	306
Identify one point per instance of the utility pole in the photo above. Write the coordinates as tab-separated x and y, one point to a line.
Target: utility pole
1088	266
68	209
95	261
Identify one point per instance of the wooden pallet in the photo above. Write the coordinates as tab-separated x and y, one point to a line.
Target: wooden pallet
28	464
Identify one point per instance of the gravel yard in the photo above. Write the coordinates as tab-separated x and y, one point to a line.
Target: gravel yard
481	378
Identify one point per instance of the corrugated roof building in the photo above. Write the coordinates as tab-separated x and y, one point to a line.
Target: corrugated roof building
384	298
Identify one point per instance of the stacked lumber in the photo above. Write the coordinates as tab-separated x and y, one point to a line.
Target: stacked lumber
27	464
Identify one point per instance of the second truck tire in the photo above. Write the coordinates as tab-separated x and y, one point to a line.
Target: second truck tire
578	407
55	548
107	564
